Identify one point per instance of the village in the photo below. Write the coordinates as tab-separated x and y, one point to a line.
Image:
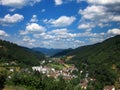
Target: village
56	68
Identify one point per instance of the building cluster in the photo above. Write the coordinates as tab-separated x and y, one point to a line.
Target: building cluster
66	72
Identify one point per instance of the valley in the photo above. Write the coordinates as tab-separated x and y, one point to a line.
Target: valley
77	69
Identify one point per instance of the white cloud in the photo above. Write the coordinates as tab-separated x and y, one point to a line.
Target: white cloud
103	24
62	34
22	32
13	3
78	1
11	19
3	33
93	12
95	40
114	31
29	41
116	18
62	38
87	34
43	10
79	42
58	38
12	9
61	21
100	13
58	2
59	31
87	26
41	35
34	27
104	2
18	3
97	16
34	18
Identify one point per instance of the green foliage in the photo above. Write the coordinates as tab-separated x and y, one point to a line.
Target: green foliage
41	82
3	76
98	59
24	56
62	53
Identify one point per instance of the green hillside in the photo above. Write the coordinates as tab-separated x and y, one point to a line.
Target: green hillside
101	60
63	53
107	51
11	52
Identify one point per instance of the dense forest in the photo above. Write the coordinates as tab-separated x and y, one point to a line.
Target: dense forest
107	51
101	60
24	56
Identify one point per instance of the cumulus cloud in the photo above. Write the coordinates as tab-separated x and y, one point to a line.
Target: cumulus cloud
112	6
56	34
61	38
33	28
95	13
58	2
91	11
114	31
28	39
3	33
104	2
23	32
61	21
59	31
79	42
100	13
86	26
116	18
18	3
94	40
62	34
34	18
11	19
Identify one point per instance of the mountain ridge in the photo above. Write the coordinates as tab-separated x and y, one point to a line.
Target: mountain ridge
47	51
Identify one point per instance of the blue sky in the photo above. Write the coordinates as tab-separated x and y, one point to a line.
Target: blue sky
58	23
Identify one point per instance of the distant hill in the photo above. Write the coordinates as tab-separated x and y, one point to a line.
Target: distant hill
24	56
46	51
63	53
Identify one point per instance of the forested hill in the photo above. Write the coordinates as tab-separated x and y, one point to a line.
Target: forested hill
106	50
101	61
63	53
24	56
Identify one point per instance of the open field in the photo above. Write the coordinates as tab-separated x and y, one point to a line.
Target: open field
14	88
57	66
